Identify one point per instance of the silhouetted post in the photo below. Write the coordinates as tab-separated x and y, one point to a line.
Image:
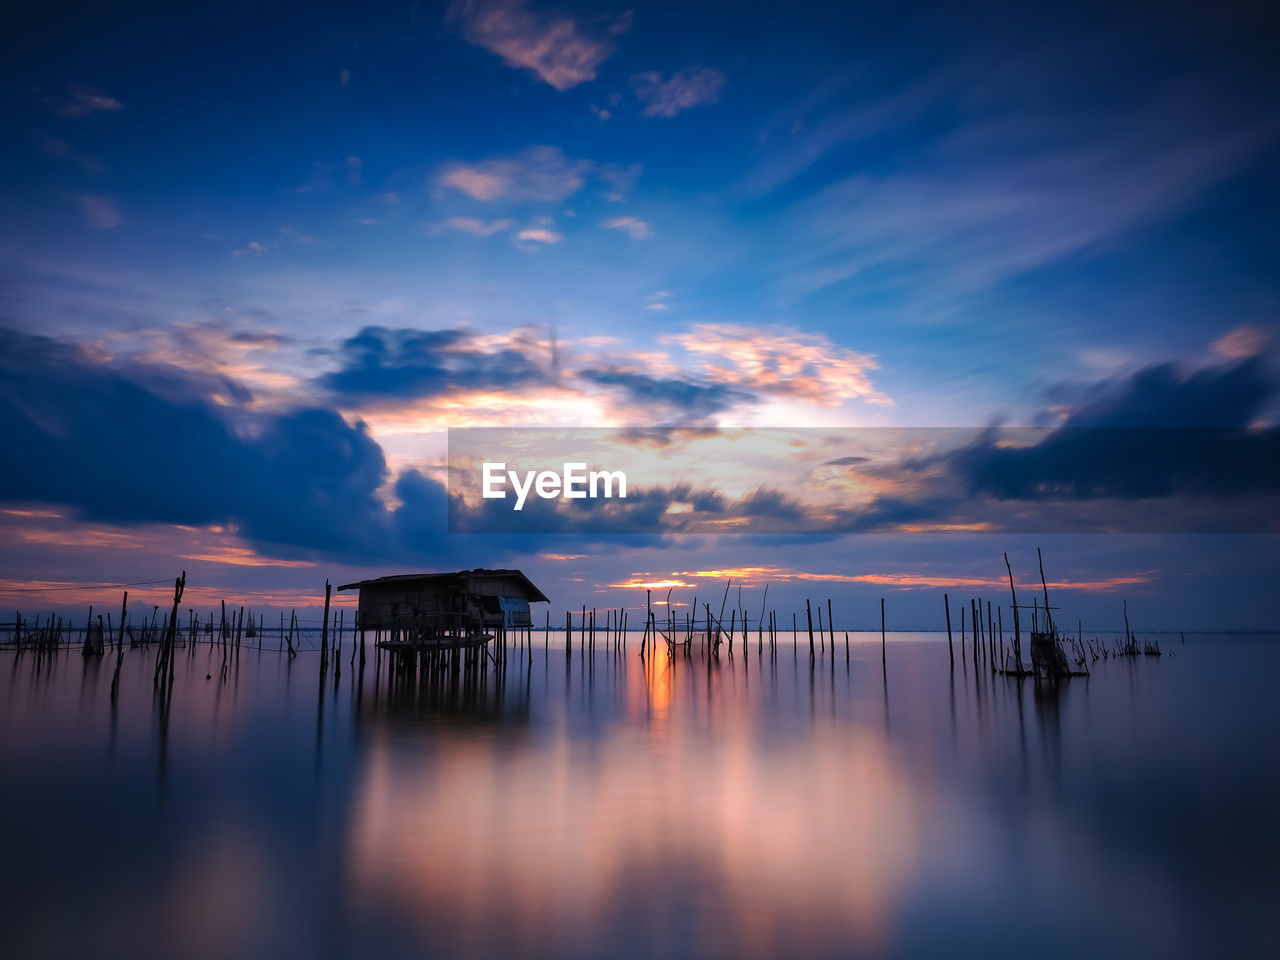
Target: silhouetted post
124	607
973	617
1048	616
1000	627
883	660
809	613
991	637
831	628
946	605
324	629
86	647
1017	626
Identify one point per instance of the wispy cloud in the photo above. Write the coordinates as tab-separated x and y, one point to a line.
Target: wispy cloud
253	248
99	212
530	238
474	226
555	48
60	149
536	175
1243	342
83	101
966	224
659	301
634	227
691	87
319	179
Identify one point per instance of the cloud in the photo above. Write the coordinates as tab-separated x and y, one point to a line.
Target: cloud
304	478
60	149
557	49
981	199
658	301
1164	450
355	171
83	101
1242	342
530	238
475	227
782	362
253	248
1161	433
319	180
758	575
540	174
691	87
662	397
99	212
635	228
293	483
379	364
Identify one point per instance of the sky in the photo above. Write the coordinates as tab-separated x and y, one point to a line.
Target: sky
257	259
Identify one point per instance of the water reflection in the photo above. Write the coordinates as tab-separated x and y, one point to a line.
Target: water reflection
601	804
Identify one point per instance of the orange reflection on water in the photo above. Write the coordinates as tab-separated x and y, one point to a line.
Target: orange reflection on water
770	847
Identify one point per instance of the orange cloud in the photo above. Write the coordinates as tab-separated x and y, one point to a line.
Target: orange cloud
781	361
638	583
770	574
26	594
242	557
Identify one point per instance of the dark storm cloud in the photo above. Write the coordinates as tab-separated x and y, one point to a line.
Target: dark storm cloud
147	444
656	395
1158	434
379	363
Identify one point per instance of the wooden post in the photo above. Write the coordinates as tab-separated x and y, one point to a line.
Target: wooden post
883	659
809	613
1017	631
831	628
1048	616
1000	626
973	617
946	605
324	629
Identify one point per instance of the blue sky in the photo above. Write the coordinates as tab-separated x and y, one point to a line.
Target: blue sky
622	216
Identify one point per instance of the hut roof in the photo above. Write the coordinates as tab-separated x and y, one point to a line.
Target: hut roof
531	592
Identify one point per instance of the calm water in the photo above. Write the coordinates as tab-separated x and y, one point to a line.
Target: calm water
604	807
